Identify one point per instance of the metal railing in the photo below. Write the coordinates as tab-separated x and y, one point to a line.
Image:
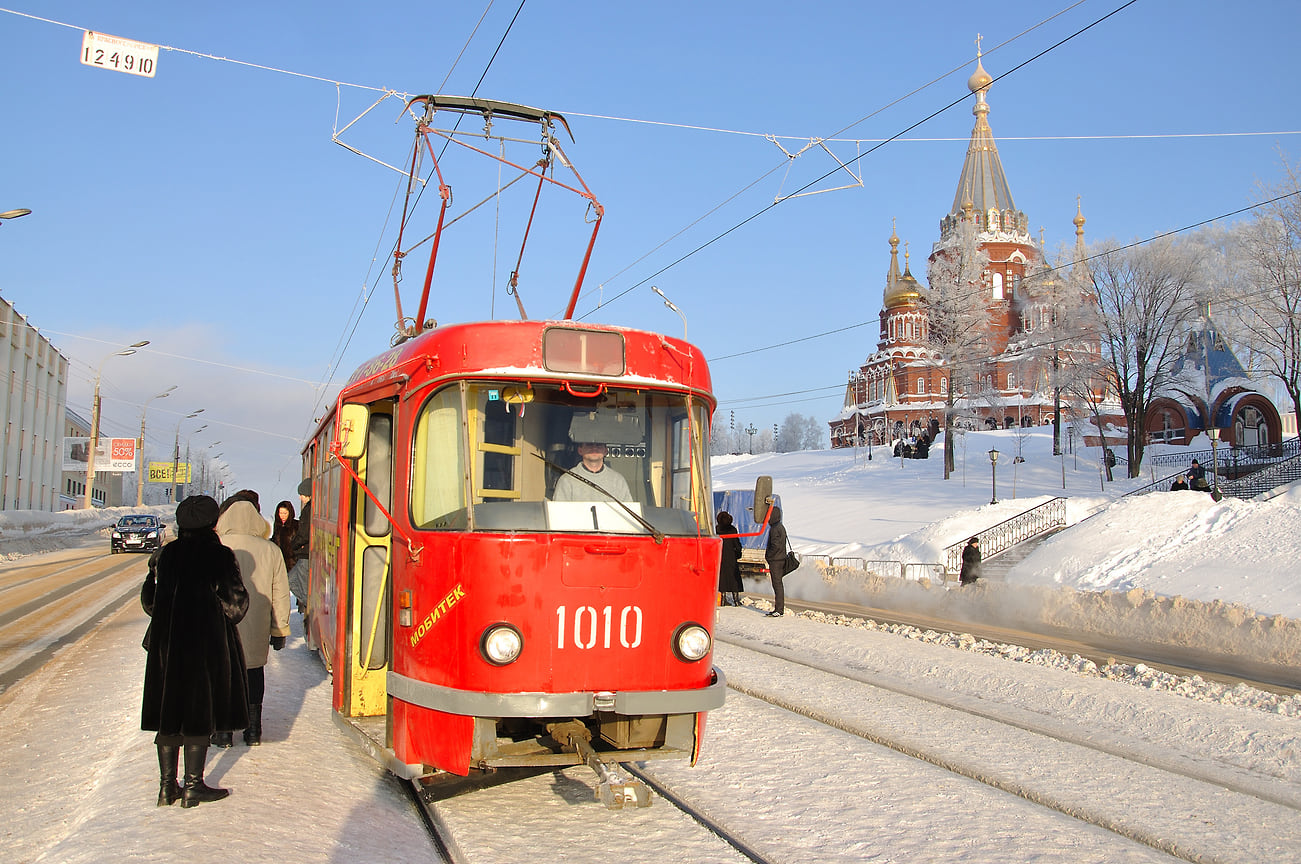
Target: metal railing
1251	485
1253	469
1048	516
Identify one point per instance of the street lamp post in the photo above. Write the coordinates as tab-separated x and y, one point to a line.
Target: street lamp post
1214	432
993	476
669	303
140	451
176	451
94	420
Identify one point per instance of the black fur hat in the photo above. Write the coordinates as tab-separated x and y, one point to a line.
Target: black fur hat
197	512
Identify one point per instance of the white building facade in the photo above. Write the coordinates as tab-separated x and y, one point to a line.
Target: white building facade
31	416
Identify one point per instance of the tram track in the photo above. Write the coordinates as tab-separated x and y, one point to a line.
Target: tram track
46	607
985	740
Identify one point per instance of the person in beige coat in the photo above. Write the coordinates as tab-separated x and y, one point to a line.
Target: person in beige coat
262	567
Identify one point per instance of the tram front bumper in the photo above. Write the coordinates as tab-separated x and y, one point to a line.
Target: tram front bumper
472	703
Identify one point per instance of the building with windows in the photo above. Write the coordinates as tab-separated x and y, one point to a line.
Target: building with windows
902	389
31	415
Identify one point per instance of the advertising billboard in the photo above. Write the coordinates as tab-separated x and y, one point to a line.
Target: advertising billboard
161	472
117	455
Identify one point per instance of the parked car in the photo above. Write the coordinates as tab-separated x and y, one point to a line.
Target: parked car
138	534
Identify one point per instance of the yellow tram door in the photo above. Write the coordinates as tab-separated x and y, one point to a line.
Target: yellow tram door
368	645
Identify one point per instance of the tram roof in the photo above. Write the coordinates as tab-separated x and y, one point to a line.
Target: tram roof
514	349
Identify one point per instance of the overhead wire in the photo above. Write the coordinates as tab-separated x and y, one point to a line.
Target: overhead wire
866	153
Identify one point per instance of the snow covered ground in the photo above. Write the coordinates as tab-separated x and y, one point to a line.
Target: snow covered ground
81	777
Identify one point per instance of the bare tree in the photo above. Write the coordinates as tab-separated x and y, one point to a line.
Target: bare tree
957	320
1146	298
1270	300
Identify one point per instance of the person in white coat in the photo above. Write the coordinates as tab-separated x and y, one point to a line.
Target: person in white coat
262	567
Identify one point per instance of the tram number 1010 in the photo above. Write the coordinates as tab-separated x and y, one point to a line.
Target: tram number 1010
590	627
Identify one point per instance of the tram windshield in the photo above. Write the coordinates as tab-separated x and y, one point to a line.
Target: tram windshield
520	456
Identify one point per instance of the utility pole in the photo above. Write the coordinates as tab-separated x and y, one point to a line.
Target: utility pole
94	421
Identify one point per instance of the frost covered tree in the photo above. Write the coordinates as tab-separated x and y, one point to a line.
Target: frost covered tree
1146	297
1269	297
957	320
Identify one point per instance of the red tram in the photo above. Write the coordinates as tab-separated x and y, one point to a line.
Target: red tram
471	617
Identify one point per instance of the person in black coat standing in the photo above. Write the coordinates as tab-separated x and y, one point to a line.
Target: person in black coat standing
970	562
729	567
775	555
195	677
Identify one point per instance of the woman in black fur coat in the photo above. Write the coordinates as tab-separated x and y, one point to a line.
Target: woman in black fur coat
195	677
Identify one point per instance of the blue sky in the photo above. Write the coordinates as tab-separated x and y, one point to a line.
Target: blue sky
208	210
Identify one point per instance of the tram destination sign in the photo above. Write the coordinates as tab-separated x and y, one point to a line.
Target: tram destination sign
117	54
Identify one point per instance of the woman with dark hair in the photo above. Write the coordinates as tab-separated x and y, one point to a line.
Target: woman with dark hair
195	677
283	531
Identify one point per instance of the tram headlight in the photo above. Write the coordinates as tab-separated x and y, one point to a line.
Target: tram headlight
691	642
501	644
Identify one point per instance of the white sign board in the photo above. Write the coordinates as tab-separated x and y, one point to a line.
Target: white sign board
116	455
121	55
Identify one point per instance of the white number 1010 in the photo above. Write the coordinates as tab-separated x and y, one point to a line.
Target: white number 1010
590	627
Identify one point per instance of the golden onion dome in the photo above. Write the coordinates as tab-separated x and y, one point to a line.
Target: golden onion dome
980	79
904	290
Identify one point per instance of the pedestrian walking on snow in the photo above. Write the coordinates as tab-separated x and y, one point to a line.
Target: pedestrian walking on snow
970	572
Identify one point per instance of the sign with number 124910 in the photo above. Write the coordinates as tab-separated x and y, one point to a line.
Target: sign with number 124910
121	55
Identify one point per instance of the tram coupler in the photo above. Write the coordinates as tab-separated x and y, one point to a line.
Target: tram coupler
613	788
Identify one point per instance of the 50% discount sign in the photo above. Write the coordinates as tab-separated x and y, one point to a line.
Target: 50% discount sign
121	55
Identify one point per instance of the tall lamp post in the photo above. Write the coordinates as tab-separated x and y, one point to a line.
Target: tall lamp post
750	430
140	451
176	451
94	420
1214	432
993	476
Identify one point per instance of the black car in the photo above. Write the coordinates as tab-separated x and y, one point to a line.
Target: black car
138	534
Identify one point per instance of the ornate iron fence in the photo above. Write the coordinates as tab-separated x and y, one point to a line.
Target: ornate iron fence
1048	516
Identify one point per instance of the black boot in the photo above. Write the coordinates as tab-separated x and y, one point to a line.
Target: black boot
253	734
169	792
222	739
195	791
736	599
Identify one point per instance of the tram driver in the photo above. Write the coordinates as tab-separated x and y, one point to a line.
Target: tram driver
591	467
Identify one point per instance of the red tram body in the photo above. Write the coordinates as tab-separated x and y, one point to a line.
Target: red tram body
479	600
434	533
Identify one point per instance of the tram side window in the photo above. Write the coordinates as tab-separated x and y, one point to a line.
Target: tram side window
437	467
379	473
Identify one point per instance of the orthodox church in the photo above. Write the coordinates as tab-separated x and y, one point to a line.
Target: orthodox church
902	390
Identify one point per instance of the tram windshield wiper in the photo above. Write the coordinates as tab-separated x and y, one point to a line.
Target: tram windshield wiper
657	534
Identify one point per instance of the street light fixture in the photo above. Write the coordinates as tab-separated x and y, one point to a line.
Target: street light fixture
13	214
140	451
176	451
94	416
993	468
669	303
